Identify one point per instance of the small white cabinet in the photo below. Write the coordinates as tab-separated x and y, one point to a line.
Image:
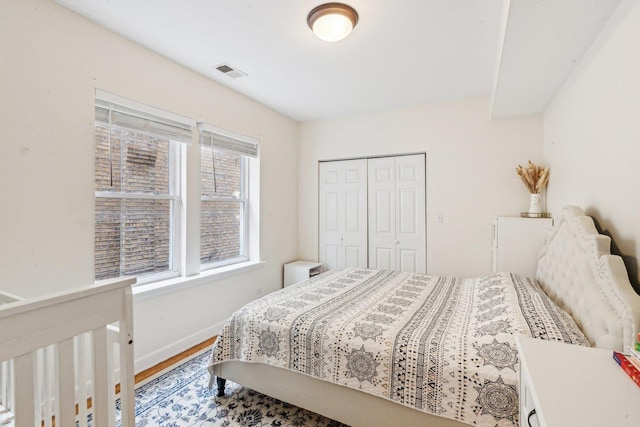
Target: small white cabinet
569	386
299	271
516	243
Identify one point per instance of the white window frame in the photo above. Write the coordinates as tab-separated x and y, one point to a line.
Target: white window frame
175	212
176	175
187	269
248	200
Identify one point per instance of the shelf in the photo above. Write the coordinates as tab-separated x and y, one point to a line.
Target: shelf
535	215
299	271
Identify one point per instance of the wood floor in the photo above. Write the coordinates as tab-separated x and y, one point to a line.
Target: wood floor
142	376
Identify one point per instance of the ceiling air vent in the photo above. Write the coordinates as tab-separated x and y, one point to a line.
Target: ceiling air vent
230	71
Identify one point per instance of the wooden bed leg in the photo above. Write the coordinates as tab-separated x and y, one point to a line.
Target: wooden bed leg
220	382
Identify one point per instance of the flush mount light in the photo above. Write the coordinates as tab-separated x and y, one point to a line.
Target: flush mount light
332	21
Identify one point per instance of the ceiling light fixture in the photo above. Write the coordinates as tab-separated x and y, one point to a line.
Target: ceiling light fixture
332	21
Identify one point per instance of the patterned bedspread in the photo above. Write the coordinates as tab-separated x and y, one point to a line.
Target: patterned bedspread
443	345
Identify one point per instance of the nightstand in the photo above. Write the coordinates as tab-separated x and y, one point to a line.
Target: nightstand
569	385
299	271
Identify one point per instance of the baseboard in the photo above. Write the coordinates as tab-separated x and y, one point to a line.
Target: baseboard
160	355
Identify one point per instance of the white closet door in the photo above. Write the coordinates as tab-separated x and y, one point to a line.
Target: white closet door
343	214
382	213
411	215
397	237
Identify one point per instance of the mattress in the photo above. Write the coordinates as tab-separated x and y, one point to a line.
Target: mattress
443	345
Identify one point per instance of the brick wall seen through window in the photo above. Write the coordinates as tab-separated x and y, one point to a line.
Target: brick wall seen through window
132	236
222	205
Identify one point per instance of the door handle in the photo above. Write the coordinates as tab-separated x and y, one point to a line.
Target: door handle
531	414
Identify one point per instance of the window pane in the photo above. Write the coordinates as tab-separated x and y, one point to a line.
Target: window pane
220	230
133	237
226	182
138	162
107	235
107	163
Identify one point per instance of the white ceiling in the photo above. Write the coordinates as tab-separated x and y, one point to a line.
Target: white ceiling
401	53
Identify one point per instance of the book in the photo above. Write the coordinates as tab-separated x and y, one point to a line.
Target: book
635	362
633	353
638	346
631	371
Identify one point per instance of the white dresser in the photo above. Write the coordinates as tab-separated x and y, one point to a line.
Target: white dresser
516	243
563	385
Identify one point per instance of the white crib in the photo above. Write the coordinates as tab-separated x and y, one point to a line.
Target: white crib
58	358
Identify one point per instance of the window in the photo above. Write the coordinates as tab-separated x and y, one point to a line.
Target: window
224	206
137	191
159	214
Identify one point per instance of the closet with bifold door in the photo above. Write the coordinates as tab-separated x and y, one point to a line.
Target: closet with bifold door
372	213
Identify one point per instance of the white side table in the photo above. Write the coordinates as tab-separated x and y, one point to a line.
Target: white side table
569	385
299	271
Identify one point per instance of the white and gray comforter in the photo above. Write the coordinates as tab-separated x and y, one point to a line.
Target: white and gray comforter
443	345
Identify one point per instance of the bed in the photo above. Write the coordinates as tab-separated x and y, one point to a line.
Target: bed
370	347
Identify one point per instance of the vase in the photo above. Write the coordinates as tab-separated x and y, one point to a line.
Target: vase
534	204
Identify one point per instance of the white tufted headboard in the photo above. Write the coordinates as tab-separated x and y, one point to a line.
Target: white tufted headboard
577	270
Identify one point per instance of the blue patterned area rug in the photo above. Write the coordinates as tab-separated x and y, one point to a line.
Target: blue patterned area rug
181	398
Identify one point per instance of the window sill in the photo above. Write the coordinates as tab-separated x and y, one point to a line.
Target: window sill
155	289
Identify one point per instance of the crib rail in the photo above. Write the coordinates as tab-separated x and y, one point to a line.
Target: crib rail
6	375
62	351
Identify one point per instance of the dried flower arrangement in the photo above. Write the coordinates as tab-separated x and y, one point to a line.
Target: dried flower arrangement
534	177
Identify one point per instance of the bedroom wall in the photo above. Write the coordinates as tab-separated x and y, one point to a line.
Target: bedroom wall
471	175
51	62
592	130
